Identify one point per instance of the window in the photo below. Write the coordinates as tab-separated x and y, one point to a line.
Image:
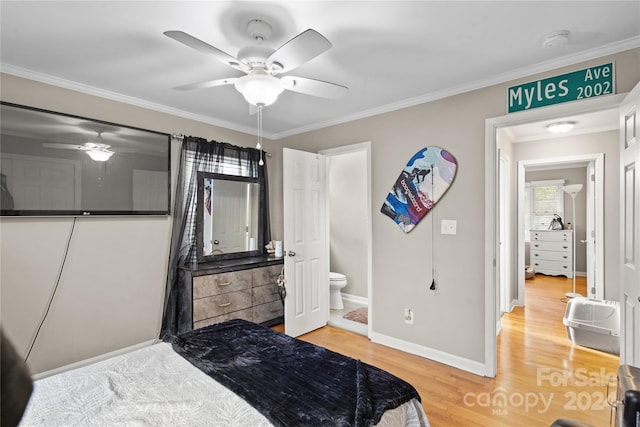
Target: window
542	200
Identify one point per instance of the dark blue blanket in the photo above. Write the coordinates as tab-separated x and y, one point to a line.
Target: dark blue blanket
291	382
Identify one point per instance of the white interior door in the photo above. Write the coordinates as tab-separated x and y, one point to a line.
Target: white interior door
505	247
630	228
590	239
306	263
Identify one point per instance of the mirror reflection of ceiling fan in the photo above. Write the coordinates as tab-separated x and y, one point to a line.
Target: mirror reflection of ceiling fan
96	149
261	64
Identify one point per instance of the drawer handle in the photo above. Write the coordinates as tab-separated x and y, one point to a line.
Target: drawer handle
224	284
536	245
535	254
565	247
565	257
226	304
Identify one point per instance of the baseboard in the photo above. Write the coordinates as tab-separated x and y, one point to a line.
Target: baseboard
355	299
91	360
429	353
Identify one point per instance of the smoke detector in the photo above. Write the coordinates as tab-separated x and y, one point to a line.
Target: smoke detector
555	39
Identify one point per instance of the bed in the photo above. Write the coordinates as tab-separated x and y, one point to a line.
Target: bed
236	373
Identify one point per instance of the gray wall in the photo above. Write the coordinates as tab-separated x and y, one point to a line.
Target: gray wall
451	322
114	302
111	291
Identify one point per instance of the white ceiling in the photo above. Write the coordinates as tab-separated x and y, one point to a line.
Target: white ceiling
390	54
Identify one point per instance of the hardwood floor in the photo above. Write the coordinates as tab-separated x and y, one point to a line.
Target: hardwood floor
542	376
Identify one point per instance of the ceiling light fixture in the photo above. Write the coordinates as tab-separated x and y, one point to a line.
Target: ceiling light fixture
259	88
560	127
99	155
555	39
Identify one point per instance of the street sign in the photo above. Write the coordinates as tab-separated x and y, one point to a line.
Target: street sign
581	84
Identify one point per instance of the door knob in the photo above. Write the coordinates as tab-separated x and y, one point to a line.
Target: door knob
291	253
216	242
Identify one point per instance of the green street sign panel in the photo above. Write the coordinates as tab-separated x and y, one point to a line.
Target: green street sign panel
582	84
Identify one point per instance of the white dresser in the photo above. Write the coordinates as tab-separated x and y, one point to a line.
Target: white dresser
551	252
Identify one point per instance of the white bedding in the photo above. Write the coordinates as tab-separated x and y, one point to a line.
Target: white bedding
154	386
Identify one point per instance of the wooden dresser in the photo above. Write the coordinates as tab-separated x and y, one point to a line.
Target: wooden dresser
236	289
551	252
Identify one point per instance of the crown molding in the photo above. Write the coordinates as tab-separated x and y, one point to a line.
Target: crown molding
119	97
587	55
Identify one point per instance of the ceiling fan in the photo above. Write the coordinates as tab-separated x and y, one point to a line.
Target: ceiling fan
261	64
95	149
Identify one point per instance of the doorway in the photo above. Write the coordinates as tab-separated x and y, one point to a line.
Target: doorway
492	224
350	235
588	223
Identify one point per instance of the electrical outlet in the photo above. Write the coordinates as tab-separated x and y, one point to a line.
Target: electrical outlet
408	316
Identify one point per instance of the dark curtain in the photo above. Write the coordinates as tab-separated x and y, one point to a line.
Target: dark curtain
200	155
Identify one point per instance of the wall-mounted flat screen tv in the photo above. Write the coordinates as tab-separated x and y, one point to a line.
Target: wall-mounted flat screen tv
54	164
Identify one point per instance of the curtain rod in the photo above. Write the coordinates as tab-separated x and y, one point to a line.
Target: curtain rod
181	136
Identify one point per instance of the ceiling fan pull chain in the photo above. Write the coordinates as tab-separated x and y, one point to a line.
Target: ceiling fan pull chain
259	146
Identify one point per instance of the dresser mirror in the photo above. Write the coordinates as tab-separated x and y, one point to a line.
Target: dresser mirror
230	221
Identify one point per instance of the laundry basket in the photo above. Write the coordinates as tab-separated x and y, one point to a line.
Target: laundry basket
593	323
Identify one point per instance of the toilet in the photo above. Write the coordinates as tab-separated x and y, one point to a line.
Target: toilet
337	281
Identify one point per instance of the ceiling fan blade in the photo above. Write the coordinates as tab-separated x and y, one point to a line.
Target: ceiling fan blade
300	49
203	47
64	146
207	84
314	87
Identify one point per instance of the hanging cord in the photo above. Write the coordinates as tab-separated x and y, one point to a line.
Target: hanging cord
433	236
259	146
53	293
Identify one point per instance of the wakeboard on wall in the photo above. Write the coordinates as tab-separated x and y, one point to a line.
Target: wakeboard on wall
421	184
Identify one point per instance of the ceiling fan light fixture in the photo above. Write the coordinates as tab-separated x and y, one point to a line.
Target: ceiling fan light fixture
99	155
259	89
560	127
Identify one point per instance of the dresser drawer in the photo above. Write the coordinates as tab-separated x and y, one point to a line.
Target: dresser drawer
551	236
268	311
266	293
246	314
266	275
551	256
217	305
551	246
543	266
214	284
